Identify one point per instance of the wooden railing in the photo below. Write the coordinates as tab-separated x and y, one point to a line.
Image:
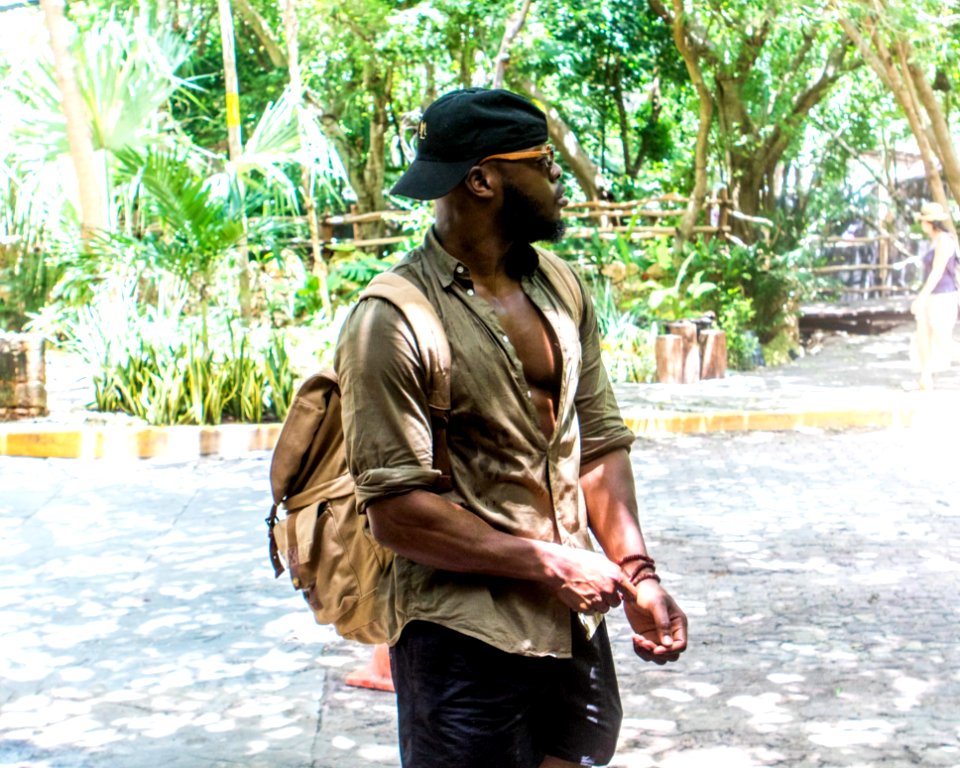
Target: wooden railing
608	219
880	265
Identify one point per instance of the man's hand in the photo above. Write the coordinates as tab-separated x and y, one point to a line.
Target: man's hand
659	626
586	581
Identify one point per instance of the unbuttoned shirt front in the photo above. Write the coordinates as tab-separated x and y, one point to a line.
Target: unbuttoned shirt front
504	469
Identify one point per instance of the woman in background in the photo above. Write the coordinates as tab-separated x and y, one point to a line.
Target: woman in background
935	307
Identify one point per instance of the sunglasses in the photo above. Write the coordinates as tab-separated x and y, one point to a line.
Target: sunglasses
544	152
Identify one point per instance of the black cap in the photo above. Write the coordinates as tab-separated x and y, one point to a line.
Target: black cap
463	127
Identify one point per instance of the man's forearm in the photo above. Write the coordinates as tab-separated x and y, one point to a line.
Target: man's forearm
610	494
430	530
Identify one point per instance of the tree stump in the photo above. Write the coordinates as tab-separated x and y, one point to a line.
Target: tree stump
669	353
713	354
687	331
23	392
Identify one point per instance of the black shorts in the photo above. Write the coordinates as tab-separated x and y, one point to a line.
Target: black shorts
466	704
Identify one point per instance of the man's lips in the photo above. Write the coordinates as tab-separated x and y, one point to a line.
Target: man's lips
562	200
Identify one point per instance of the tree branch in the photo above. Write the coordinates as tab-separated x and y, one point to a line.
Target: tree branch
262	32
514	25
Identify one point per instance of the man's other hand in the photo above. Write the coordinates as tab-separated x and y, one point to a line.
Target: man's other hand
659	626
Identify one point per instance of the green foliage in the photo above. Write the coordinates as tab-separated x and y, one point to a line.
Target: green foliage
628	84
349	275
192	225
188	227
684	296
736	320
751	292
159	367
126	71
27	275
183	384
626	348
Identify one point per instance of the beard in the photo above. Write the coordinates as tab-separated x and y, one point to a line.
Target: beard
523	220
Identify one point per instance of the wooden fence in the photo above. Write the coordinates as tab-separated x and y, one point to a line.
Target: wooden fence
865	267
651	217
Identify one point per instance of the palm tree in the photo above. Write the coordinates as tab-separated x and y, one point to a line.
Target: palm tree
93	203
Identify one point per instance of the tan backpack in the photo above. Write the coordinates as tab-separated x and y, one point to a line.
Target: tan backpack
326	543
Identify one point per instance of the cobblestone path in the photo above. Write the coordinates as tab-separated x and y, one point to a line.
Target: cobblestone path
140	625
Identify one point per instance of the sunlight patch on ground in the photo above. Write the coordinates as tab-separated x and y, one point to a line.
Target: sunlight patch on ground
633	760
635	725
276	660
727	757
784	679
671	695
380	753
765	710
911	692
850	733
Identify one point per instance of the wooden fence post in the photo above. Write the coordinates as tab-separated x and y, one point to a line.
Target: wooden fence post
669	353
713	354
687	331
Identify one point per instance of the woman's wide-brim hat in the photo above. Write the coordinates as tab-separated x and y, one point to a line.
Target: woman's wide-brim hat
932	212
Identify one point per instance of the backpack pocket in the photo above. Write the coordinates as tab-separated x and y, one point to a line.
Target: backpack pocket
337	565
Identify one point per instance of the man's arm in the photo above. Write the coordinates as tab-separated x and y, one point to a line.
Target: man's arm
659	625
430	530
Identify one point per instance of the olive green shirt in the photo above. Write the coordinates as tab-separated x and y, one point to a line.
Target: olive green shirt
504	469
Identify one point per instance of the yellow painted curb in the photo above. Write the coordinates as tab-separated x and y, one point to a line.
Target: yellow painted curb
57	444
90	442
651	423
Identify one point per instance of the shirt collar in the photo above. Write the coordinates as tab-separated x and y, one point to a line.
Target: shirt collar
446	267
443	264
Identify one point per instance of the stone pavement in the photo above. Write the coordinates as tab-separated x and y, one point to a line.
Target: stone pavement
140	624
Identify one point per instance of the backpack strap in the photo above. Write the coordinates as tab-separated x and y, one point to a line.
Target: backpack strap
564	282
434	350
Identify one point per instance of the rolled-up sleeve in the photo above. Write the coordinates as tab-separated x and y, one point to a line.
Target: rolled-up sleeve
602	428
386	420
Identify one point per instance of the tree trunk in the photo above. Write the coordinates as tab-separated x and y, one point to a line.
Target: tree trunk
943	142
231	80
699	192
262	32
316	264
512	29
877	55
234	138
367	173
584	170
93	202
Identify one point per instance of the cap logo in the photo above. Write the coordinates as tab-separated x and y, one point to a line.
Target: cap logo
422	130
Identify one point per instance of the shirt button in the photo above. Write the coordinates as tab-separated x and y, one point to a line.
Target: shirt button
460	268
530	394
470	292
506	338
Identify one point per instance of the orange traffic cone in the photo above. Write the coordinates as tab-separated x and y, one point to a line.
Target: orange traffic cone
375	673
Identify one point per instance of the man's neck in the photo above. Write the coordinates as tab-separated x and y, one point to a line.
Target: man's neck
482	251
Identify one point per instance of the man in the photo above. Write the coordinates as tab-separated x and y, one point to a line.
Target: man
499	654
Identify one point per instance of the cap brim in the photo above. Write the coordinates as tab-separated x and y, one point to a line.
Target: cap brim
428	179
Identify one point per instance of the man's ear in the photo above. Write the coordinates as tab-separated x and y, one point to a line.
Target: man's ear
481	181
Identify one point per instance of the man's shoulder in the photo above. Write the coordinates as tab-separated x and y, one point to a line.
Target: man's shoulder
564	280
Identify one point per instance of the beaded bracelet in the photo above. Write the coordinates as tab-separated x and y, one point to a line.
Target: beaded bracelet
642	575
637	557
646	570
